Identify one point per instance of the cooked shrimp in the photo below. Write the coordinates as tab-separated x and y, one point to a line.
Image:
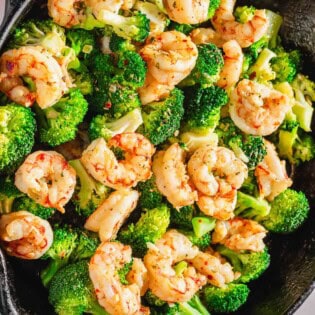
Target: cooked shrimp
170	57
25	235
245	34
171	178
108	218
202	35
233	63
41	67
173	247
271	174
218	273
101	163
217	174
138	274
47	178
187	12
240	234
153	91
257	109
115	297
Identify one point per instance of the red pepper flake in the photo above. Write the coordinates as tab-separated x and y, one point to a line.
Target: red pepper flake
108	105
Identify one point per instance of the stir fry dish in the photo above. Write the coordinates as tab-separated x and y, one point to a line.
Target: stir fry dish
146	149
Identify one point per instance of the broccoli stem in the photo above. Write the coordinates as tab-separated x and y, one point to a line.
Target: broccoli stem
96	309
48	273
275	21
202	225
6	205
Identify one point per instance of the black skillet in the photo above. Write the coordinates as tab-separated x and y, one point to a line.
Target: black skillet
290	277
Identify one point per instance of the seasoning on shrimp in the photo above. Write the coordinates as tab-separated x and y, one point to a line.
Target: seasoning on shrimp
47	178
25	235
138	274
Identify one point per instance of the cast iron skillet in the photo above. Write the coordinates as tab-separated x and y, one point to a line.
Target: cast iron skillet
290	277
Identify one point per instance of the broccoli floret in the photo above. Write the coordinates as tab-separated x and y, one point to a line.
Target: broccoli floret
150	196
27	204
17	130
225	300
304	148
193	140
244	14
59	123
136	27
208	66
118	44
202	109
304	94
250	185
202	225
72	291
250	149
82	81
8	194
161	119
183	28
288	211
152	300
250	264
106	127
149	228
44	33
251	207
203	242
214	4
88	193
122	272
182	217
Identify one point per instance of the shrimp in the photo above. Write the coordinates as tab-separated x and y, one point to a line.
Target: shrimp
257	109
108	218
171	177
113	296
233	63
25	235
202	35
217	174
36	63
47	178
245	34
170	57
173	247
240	234
187	12
138	274
101	163
218	273
271	174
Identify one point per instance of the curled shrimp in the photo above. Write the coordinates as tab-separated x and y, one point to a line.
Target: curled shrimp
271	174
171	178
202	35
217	272
257	109
25	235
108	218
101	163
187	12
173	247
47	178
240	234
217	174
36	63
112	295
233	63
245	34
170	57
138	274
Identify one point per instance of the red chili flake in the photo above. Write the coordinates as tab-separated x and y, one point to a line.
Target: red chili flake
108	105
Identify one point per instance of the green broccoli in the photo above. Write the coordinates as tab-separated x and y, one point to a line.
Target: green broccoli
182	218
118	44
214	4
250	149
149	228
202	109
208	66
72	291
161	119
225	300
275	21
202	225
44	33
82	81
193	141
250	264
122	272
152	300
28	204
150	196
244	14
250	185
183	28
88	193
288	211
17	130
107	127
59	123
135	27
8	194
203	242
